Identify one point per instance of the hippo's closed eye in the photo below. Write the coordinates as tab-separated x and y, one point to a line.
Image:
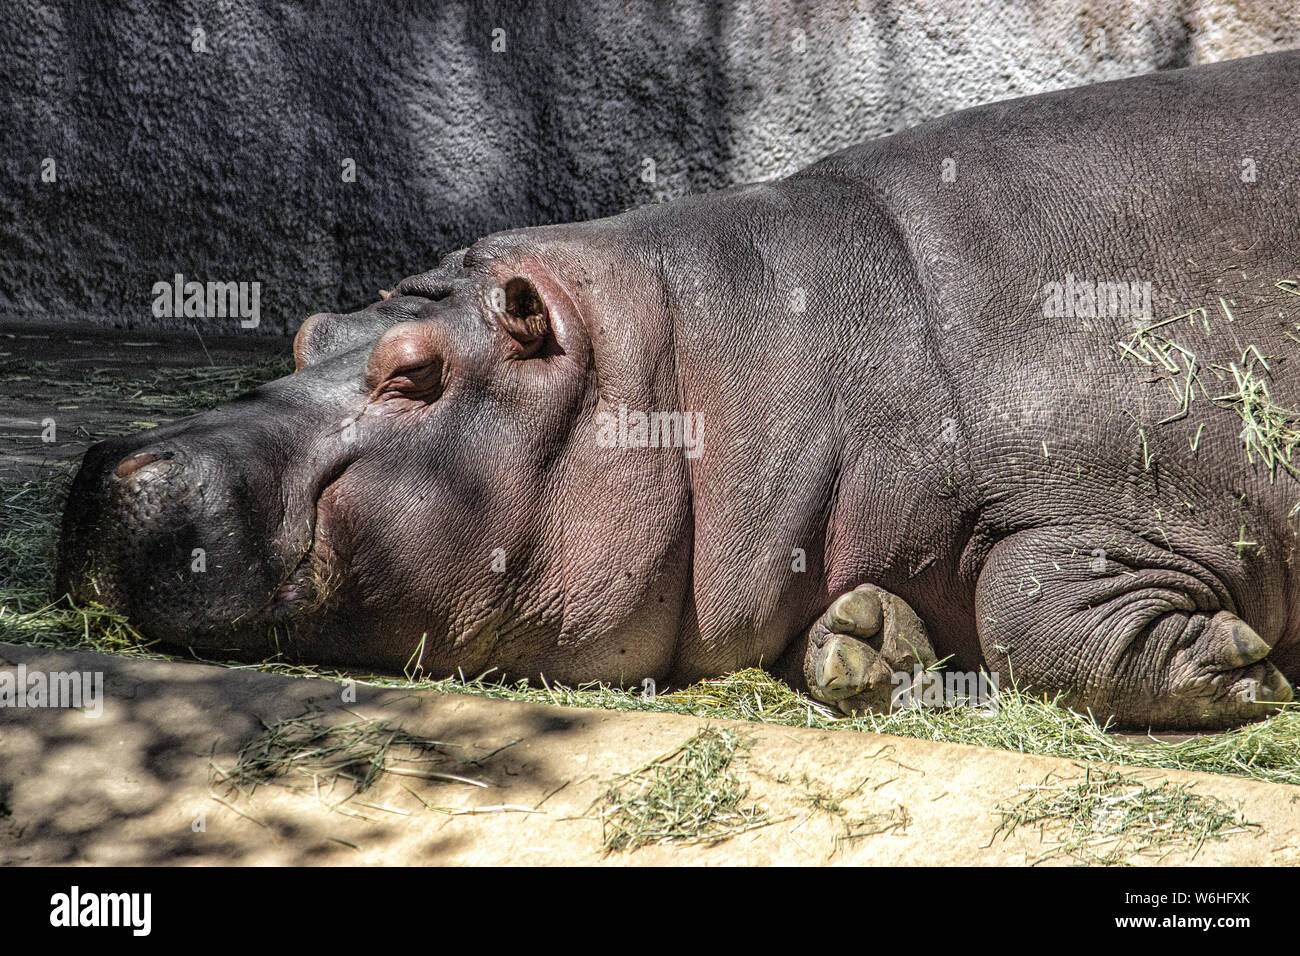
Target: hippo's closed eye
428	285
409	361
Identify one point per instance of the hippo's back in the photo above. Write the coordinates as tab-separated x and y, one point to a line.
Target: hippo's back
1112	276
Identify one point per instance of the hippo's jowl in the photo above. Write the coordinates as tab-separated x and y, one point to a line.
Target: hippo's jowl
1014	389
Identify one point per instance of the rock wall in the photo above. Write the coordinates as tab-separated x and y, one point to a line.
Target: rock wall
327	150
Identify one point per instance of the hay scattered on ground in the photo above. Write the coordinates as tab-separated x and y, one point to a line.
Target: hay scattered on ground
306	754
854	827
1268	750
181	390
359	751
1112	819
750	694
688	795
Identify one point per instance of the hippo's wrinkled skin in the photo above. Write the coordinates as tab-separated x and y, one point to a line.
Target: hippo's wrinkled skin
884	412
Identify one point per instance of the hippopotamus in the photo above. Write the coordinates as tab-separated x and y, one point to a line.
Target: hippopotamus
1010	391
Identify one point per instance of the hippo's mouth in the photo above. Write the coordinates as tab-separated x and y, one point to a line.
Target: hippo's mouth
308	584
295	595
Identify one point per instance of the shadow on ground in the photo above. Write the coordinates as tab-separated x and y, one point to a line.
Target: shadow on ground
137	785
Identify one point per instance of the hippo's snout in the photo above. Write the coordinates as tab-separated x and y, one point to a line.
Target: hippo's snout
173	537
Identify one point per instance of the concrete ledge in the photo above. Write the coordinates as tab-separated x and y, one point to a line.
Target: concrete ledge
127	787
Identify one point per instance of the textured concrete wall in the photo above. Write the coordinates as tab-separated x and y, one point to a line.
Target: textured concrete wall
209	137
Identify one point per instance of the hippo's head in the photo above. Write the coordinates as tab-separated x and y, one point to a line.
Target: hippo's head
427	488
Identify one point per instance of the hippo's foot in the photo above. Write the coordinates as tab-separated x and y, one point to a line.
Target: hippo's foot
1130	632
1224	672
867	644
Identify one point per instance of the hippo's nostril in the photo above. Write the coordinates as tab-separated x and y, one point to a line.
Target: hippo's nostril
129	466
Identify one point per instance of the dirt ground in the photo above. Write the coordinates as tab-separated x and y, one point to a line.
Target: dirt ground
515	782
42	376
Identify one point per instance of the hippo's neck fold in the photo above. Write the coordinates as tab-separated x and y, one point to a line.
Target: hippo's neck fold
788	322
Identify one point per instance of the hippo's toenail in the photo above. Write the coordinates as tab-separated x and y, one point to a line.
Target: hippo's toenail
1246	645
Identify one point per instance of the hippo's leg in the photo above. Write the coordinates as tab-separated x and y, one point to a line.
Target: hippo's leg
851	655
1126	629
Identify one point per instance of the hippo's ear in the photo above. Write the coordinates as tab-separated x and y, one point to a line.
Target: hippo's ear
523	314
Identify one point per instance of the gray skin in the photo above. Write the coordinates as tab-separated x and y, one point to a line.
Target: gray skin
890	424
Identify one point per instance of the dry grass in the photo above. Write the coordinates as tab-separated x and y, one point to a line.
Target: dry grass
307	754
1155	349
820	800
180	390
751	694
688	795
290	752
1111	819
1268	431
